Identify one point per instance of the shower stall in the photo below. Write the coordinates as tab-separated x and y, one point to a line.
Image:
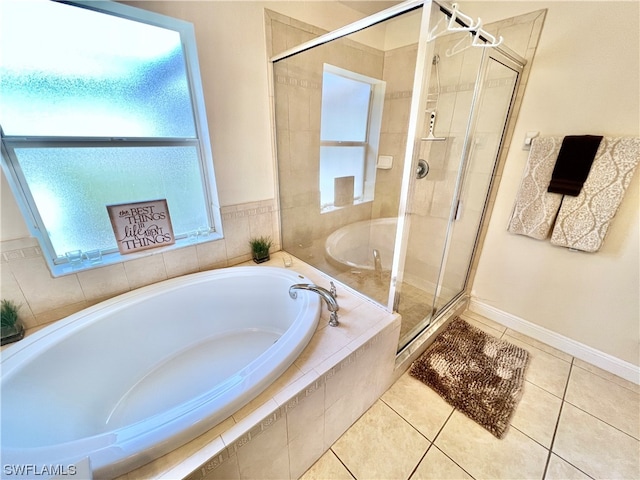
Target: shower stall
389	135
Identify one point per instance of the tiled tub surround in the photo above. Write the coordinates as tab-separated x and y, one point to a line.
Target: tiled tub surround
26	279
283	431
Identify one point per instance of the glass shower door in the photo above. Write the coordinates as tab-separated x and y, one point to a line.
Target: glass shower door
433	189
492	110
471	94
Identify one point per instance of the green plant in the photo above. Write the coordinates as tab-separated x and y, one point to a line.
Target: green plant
8	313
260	245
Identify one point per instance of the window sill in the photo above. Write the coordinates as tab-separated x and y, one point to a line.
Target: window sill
116	257
333	208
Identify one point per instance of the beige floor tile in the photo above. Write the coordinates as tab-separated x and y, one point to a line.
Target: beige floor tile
381	445
484	321
635	387
327	468
418	404
558	469
482	455
437	466
545	370
537	414
542	346
608	401
594	447
494	332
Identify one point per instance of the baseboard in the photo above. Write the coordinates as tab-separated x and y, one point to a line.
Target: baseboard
588	354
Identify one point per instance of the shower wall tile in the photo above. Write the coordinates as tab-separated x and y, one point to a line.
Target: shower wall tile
212	254
399	67
396	115
11	290
276	37
41	290
181	261
145	270
105	282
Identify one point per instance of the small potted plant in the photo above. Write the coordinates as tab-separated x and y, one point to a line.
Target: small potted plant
11	327
260	248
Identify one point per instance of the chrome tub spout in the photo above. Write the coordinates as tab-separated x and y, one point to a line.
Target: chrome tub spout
377	262
326	295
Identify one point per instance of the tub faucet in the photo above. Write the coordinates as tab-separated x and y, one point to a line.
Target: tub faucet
377	262
325	294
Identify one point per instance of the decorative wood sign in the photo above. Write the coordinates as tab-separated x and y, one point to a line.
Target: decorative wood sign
141	225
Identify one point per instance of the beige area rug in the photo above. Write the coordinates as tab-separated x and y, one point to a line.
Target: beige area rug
480	375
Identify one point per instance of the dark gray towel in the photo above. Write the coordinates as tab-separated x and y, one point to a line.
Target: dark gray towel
573	164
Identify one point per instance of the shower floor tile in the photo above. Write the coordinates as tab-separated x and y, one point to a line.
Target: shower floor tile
574	421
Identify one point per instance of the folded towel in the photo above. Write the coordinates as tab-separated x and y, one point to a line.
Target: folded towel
535	209
583	221
573	164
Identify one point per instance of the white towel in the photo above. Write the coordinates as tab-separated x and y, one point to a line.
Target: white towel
583	221
535	209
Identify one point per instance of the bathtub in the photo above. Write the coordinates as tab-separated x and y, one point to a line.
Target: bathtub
136	376
352	246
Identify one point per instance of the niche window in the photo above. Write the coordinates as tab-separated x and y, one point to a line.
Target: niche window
349	136
108	109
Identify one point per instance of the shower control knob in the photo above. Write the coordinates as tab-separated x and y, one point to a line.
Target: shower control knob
423	169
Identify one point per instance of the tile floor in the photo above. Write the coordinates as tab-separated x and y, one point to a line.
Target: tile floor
574	421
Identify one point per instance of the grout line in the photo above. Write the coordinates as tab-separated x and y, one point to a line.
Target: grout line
443	425
456	463
608	379
603	421
512	426
420	461
555	430
431	442
405	420
343	464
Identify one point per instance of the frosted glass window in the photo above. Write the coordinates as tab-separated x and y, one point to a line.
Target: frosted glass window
73	190
100	104
345	109
69	71
340	162
349	135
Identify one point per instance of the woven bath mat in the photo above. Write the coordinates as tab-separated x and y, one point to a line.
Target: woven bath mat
476	373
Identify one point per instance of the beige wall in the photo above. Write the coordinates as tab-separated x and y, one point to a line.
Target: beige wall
584	80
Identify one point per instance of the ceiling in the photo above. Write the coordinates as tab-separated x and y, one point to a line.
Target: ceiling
369	7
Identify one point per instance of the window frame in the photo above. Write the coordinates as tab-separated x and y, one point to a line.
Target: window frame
372	136
11	167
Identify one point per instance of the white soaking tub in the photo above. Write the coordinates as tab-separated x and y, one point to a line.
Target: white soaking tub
136	376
